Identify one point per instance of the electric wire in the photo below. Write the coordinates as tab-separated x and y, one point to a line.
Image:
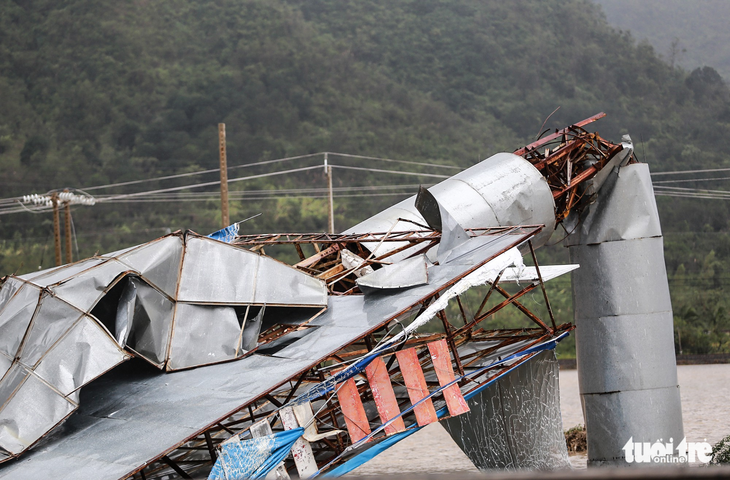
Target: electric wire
13	204
378	170
688	180
698	190
273	197
363	157
115	198
263	162
200	172
681	172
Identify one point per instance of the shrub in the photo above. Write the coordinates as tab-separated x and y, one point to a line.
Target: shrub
721	452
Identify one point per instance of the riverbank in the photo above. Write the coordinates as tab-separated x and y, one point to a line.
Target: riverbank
709	359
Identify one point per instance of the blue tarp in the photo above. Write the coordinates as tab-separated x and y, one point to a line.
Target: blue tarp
370	453
253	458
225	234
329	385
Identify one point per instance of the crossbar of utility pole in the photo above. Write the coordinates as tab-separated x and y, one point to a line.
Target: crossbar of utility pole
224	174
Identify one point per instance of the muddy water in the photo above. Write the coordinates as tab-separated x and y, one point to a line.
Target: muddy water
705	390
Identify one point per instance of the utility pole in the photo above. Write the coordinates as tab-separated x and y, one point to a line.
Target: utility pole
331	210
56	228
224	174
67	214
53	200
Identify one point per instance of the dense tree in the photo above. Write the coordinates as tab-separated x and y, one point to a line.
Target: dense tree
95	92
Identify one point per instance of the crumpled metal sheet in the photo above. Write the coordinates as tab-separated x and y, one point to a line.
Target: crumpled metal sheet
214	272
160	262
151	323
503	190
516	423
627	189
26	415
203	334
453	235
439	219
16	315
127	419
594	185
171	302
529	274
406	273
66	367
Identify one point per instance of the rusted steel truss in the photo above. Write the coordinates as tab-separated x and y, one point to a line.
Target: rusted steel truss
568	158
468	344
324	260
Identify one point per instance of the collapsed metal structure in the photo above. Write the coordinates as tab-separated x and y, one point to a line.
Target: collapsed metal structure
334	343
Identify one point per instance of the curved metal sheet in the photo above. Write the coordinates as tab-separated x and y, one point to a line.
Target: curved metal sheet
503	190
620	278
635	358
627	189
623	313
406	273
644	415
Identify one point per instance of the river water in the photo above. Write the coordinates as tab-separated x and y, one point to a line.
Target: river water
704	389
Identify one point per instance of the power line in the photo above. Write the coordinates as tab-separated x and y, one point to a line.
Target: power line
681	172
303	190
266	162
378	170
201	172
688	195
687	180
347	155
116	198
272	197
263	175
699	190
14	200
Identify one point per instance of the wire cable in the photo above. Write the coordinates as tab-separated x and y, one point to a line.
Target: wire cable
687	180
363	157
201	172
681	172
378	170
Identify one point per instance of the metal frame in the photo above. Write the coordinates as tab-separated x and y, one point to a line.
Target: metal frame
573	156
199	452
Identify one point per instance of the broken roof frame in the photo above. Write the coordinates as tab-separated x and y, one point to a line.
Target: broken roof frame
570	177
200	450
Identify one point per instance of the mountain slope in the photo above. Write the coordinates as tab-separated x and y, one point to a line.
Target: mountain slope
95	92
690	34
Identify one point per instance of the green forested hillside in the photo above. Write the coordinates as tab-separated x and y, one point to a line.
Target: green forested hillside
690	34
94	92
